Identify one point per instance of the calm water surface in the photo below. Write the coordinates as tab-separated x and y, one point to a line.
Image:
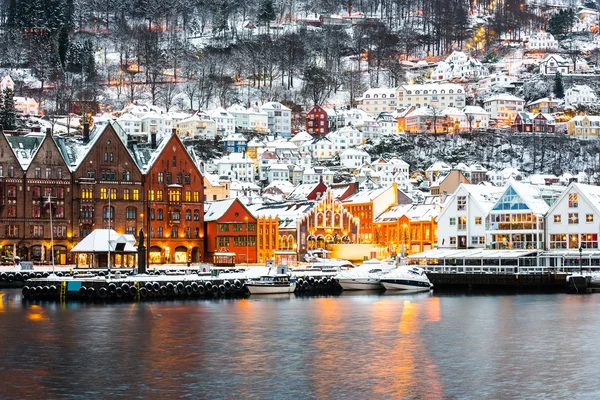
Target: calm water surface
352	346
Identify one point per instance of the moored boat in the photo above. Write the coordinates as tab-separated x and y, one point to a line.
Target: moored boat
406	278
272	284
364	277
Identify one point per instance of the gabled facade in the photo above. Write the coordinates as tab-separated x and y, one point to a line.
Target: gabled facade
584	127
572	221
230	229
534	123
175	205
48	176
317	121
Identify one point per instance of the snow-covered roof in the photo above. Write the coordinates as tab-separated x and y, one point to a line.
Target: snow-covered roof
504	97
301	137
302	190
214	210
101	240
286	187
365	196
485	196
474	110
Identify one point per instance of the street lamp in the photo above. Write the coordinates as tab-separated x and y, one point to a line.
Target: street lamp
246	218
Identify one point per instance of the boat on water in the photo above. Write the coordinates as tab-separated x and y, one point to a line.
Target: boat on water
364	277
272	284
406	277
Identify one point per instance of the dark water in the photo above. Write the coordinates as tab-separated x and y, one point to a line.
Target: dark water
352	346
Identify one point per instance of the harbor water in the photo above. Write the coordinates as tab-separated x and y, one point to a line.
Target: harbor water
363	346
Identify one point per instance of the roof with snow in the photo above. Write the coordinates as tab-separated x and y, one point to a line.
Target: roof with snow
105	240
216	209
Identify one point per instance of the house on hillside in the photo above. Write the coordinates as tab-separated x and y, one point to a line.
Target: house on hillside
580	95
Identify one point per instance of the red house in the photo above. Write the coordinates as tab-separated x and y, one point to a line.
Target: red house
317	121
230	233
531	123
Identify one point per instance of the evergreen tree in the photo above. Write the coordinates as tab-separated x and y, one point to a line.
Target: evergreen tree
559	88
266	12
8	116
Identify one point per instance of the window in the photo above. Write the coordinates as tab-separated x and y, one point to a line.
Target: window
130	212
237	227
179	178
36	192
59	173
108	212
36	231
91	173
174	233
252	227
176	215
151	195
60	231
188	215
187	179
573	218
113	194
36	212
159	232
589	217
461	203
60	193
573	200
474	240
37	173
103	193
462	223
59	211
196	215
125	194
11	192
152	214
87	193
161	177
224	227
126	176
159	195
174	195
453	240
196	232
174	161
48	173
188	232
196	197
11	171
136	194
169	178
478	220
188	195
589	240
452	221
112	157
11	211
159	214
130	230
557	218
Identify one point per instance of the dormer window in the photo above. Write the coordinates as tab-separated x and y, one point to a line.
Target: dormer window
383	96
451	91
442	91
424	91
375	96
368	96
391	95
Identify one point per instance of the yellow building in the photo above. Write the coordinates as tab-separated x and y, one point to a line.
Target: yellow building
267	237
584	126
215	188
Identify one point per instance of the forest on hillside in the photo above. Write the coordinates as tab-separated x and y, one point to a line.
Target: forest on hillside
197	52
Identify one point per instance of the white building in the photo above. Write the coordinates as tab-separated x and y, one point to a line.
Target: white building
541	41
477	117
554	63
236	166
316	174
153	122
501	177
354	158
250	119
461	224
278	172
377	100
504	108
438	95
26	105
459	66
494	81
394	170
131	124
517	219
198	125
572	221
345	138
7	82
279	118
580	94
224	121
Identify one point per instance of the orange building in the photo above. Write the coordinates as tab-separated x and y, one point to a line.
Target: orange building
175	204
230	232
412	226
267	237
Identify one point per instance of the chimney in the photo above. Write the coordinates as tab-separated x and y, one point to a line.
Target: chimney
86	131
153	139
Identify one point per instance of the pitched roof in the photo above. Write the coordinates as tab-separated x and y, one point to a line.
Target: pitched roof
216	209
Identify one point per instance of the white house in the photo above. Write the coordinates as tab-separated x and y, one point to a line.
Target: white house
130	124
320	148
477	117
316	174
377	100
224	121
250	119
153	122
279	118
388	123
541	41
504	108
345	138
459	66
554	63
572	221
26	105
497	80
580	94
278	172
501	177
7	82
354	158
461	224
437	171
198	125
516	221
438	95
236	166
394	170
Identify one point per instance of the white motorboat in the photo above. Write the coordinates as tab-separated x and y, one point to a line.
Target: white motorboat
272	284
406	278
364	277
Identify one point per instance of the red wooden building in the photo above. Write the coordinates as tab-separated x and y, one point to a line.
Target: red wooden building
230	233
317	121
175	194
531	123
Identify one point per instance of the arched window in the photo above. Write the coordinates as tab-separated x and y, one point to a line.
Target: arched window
130	212
109	212
196	215
188	215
